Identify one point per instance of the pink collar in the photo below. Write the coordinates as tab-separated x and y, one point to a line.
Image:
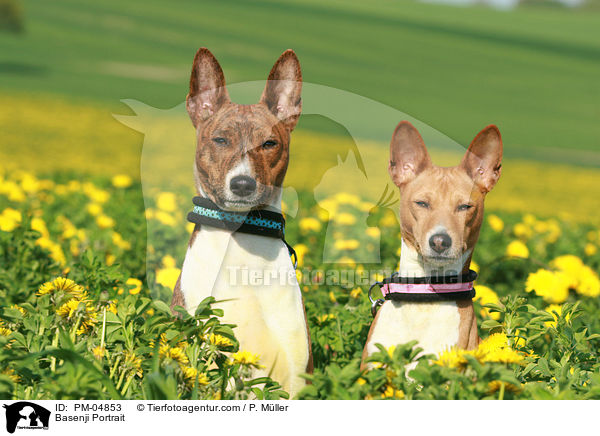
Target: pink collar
424	288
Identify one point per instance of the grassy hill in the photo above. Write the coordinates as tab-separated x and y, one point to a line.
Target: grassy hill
532	71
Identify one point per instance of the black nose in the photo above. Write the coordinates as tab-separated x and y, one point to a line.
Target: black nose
440	242
242	185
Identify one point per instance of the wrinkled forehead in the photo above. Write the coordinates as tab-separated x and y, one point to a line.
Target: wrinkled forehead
443	183
239	120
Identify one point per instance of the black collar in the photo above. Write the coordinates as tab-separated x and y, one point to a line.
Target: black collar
388	283
259	222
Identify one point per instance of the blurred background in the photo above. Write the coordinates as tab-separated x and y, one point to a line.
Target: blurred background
531	67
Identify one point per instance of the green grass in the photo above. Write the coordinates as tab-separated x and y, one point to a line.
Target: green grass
532	71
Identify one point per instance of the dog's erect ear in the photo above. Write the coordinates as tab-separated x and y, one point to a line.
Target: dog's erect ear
483	160
408	154
282	92
207	87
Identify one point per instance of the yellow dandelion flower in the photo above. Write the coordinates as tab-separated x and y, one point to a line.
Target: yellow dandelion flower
356	293
121	181
94	193
323	214
29	183
94	209
301	251
192	374
67	310
39	225
551	309
134	363
110	259
7	224
589	284
245	358
310	225
62	284
13	191
4	331
389	219
219	340
322	319
529	219
571	266
373	232
554	231
165	218
503	355
178	354
112	307
10	219
99	352
344	218
474	266
168	277
366	206
346	244
493	342
391	392
19	308
332	297
12	375
68	229
522	231
166	201
168	261
56	252
553	287
590	249
486	295
118	240
190	227
517	249
347	198
189	373
105	222
495	223
452	358
135	285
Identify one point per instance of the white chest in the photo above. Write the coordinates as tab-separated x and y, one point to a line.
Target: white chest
434	325
253	279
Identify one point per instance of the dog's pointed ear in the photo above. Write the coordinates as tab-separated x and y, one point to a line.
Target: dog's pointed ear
207	87
283	89
408	154
483	159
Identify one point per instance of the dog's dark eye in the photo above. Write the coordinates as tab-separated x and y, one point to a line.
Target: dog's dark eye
269	144
464	207
220	141
422	204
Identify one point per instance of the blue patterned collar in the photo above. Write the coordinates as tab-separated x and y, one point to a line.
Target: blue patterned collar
257	222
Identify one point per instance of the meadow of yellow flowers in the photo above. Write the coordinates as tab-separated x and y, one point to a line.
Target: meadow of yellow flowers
88	270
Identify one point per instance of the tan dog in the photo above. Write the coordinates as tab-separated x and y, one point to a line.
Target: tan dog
241	159
441	214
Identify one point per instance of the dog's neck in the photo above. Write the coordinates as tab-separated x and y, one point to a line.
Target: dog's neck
412	264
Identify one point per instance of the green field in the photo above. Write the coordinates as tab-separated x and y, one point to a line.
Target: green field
532	71
87	268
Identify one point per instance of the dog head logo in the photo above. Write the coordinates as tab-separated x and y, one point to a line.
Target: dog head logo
24	414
